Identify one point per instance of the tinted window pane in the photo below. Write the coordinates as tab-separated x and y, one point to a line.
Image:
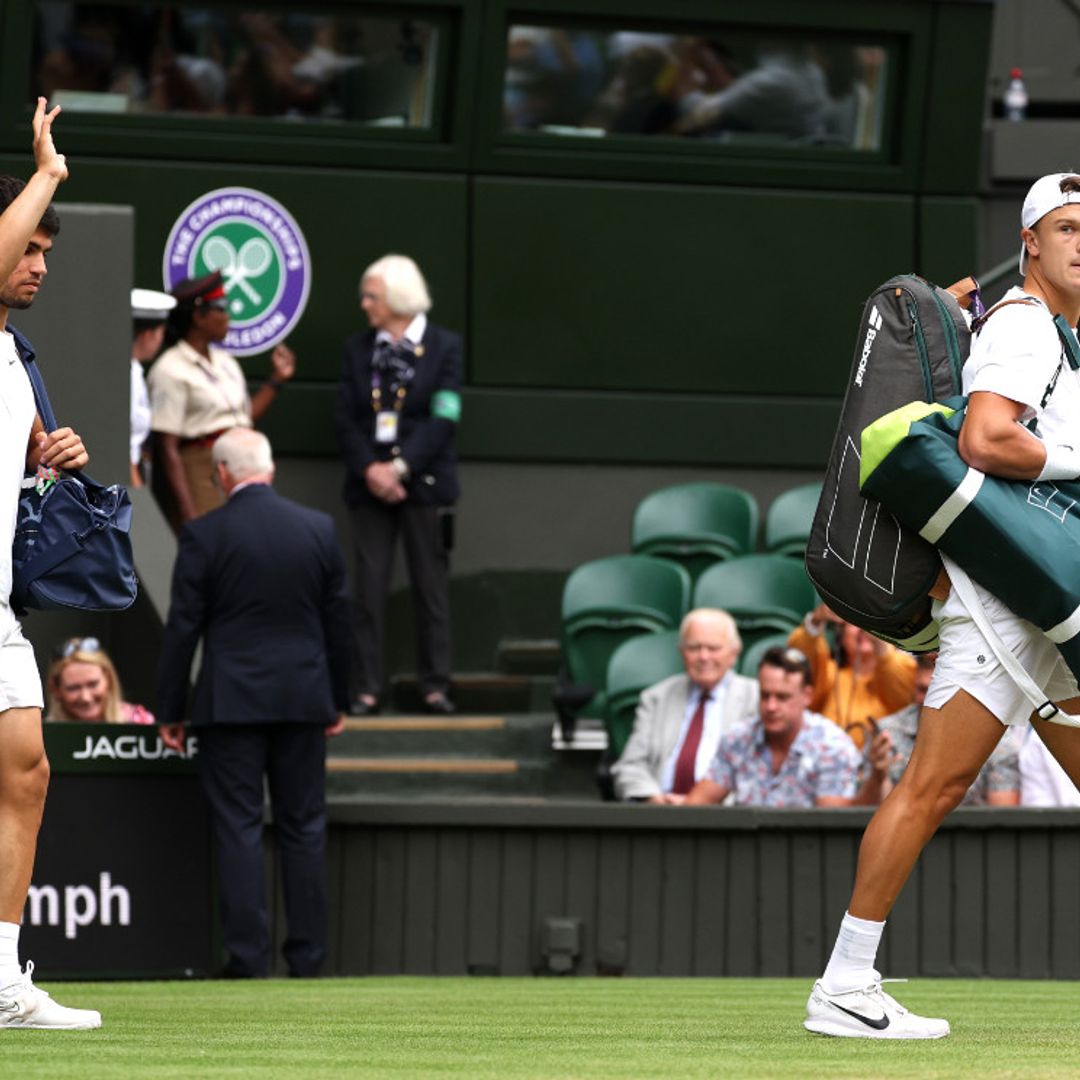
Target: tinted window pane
168	58
723	87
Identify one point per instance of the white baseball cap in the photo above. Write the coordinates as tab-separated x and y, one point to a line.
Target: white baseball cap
1042	197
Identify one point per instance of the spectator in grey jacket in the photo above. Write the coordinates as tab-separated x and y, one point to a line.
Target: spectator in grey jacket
680	719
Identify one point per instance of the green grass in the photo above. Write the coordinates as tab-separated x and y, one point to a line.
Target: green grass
550	1028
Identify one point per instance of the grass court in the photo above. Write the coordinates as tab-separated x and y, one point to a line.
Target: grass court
550	1028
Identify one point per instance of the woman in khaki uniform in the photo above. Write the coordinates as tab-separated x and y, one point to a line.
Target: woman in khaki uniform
197	392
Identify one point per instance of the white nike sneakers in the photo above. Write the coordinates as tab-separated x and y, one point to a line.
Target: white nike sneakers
23	1005
869	1013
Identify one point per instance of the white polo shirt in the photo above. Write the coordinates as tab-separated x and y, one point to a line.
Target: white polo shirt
16	421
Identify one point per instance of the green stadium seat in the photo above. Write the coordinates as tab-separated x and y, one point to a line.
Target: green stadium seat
750	657
609	601
635	665
695	524
787	522
765	594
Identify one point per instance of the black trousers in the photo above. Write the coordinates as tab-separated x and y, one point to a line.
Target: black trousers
375	529
233	761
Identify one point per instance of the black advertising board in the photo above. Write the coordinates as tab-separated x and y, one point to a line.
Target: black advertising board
122	883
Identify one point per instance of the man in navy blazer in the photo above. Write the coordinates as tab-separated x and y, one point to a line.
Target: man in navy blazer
398	408
261	581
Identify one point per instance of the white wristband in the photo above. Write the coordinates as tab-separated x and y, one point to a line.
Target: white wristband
1062	463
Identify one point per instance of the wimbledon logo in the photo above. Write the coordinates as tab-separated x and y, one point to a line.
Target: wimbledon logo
261	253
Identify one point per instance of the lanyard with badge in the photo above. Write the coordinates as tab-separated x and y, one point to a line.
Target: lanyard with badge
386	419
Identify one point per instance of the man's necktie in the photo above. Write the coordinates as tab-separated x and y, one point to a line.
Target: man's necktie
684	766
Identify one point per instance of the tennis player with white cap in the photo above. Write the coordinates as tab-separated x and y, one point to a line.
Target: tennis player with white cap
1016	372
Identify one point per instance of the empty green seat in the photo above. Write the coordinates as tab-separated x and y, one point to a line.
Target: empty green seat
765	594
634	666
787	522
695	524
609	601
750	657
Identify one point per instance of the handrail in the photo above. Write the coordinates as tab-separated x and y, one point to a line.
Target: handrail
997	273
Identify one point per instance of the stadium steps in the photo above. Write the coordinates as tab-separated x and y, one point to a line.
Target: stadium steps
408	756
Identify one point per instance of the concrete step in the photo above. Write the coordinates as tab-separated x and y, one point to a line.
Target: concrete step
529	657
476	692
521	736
480	756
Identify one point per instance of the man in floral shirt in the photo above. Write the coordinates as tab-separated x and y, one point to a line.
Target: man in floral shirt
788	756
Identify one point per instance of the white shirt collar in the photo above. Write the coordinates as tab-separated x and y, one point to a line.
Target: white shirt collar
414	332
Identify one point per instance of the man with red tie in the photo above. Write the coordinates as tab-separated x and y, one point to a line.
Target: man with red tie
680	719
787	756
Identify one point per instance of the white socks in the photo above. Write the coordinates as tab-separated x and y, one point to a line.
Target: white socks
851	966
9	953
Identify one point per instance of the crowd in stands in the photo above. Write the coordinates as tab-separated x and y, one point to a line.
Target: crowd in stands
818	714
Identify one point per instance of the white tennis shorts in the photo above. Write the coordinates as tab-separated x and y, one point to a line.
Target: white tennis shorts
20	683
967	662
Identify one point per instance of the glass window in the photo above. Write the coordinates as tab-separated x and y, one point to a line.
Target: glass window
182	60
726	86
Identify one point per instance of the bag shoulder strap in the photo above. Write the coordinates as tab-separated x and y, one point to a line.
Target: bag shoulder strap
41	395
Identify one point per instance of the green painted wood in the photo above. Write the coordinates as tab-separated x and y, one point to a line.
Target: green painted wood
686	286
645	890
710	921
388	901
947	231
1033	909
485	859
807	916
419	903
776	899
613	890
707	892
678	907
1064	889
969	922
452	902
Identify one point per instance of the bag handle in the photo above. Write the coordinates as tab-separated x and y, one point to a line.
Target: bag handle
965	590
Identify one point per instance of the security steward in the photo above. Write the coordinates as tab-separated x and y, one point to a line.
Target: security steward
398	407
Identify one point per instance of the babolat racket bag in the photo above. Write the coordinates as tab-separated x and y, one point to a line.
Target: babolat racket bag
867	566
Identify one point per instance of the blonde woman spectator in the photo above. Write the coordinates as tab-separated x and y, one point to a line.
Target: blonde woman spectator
83	686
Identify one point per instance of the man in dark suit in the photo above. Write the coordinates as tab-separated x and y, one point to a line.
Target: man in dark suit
262	582
397	412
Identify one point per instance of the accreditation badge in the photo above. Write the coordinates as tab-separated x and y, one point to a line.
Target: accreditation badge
386	424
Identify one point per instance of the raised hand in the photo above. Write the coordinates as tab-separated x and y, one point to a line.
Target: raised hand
46	158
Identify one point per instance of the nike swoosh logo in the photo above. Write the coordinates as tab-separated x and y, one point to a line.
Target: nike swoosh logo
878	1025
12	1008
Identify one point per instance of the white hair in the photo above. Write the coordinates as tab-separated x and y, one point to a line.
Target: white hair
718	618
244	452
406	290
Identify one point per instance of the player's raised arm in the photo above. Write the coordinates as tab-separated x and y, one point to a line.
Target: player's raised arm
21	218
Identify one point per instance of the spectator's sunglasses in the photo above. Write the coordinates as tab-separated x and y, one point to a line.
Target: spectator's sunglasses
77	644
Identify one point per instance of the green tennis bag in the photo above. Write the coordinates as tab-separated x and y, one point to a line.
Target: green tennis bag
1020	539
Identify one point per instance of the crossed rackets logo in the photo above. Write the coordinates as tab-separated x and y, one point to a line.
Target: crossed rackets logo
262	256
251	261
249	264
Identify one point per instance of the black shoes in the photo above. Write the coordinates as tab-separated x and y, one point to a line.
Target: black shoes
439	705
362	707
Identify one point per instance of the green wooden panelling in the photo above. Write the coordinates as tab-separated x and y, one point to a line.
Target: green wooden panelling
948	228
637	287
956	89
348	218
700	892
554	425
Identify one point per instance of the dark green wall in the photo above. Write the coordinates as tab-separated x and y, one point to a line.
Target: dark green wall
647	300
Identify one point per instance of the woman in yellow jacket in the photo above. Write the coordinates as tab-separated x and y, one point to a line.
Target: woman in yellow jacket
867	680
